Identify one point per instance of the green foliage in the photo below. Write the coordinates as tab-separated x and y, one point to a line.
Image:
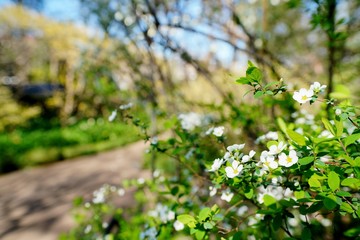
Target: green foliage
24	147
308	174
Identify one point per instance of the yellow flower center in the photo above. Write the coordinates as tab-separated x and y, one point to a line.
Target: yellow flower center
288	159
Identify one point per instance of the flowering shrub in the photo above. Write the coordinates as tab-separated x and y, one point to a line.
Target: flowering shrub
298	180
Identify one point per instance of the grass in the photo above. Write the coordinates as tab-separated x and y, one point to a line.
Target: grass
22	148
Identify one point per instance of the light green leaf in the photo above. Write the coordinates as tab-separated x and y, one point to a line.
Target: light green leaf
243	80
351	139
269	200
258	94
282	124
333	181
349	182
339	128
346	207
314	181
249	194
296	137
186	219
328	126
208	225
204	213
199	235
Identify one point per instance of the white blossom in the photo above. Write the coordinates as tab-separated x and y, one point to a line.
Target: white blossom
247	158
316	87
149	234
235	147
234	170
216	165
338	111
227	195
213	191
178	225
163	213
112	116
242	210
189	121
126	106
303	95
289	160
276	149
218	131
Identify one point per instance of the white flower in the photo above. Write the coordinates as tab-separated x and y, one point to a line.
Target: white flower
112	116
190	121
235	147
216	165
267	161
227	195
338	111
163	213
178	225
276	149
149	234
126	106
218	131
247	158
303	95
212	190
317	87
242	210
288	161
228	157
209	131
234	170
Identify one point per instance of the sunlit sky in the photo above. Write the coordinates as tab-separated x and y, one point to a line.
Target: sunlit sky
62	10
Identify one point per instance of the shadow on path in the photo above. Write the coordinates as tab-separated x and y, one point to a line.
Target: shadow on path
36	203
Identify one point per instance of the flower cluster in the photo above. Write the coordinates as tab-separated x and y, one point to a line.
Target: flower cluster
189	121
163	213
305	95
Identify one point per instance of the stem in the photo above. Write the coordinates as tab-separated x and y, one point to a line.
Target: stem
355	124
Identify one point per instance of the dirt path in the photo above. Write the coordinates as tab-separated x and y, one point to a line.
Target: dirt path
36	203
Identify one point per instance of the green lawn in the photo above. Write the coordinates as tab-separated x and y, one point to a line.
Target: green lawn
22	148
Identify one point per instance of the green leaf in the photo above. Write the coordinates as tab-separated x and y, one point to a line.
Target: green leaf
215	209
270	143
349	182
330	202
333	181
276	222
204	214
340	92
243	80
249	194
296	137
314	181
269	200
254	74
346	207
258	94
208	225
351	139
199	235
306	160
343	194
353	232
282	124
339	128
186	219
306	234
328	126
